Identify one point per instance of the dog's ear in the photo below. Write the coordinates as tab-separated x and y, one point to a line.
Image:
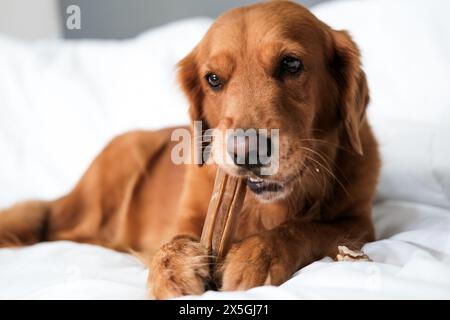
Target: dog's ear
188	78
353	92
189	81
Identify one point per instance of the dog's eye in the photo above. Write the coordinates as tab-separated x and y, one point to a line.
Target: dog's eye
291	65
214	81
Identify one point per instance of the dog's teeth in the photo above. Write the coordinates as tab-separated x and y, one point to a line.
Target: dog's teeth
254	180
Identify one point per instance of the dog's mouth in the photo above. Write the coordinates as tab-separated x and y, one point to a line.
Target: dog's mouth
260	186
268	190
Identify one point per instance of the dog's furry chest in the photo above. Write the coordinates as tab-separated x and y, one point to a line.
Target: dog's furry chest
258	217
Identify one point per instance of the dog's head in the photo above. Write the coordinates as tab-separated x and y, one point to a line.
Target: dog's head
276	66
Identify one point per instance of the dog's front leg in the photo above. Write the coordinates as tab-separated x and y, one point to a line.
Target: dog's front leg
180	267
272	257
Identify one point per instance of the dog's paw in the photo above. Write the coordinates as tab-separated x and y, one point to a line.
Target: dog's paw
345	254
251	263
180	267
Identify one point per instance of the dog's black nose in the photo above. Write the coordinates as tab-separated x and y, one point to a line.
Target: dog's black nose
249	149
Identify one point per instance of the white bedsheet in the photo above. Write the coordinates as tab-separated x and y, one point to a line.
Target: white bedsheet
412	261
60	102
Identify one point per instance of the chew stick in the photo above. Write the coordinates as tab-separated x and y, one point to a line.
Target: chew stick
224	207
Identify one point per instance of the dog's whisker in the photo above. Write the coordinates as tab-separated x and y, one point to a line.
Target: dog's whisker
328	143
324	159
328	171
199	264
205	135
321	155
316	153
318	179
204	256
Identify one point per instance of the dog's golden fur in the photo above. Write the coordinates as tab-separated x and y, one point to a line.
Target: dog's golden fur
133	198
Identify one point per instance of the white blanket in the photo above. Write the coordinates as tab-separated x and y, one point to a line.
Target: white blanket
61	101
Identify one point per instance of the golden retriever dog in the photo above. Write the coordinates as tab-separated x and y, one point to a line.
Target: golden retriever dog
272	65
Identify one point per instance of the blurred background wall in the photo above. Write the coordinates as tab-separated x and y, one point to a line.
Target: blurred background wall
30	19
104	19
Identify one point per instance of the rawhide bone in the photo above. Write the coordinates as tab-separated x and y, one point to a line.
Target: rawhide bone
223	211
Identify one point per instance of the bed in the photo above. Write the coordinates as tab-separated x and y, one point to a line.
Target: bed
60	102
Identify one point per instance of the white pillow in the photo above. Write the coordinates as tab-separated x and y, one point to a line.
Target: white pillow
405	47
